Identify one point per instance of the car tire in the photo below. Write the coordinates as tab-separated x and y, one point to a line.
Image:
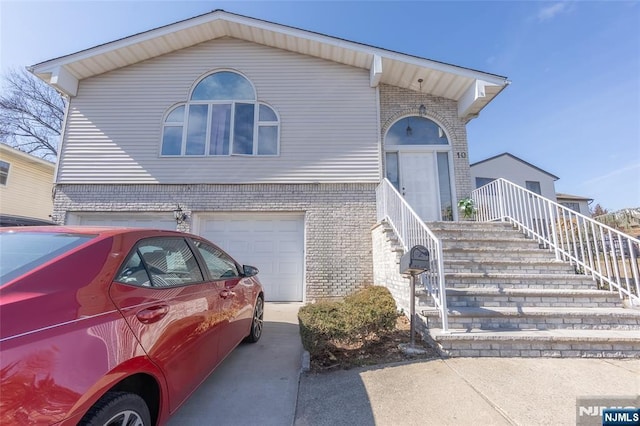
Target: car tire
256	322
118	409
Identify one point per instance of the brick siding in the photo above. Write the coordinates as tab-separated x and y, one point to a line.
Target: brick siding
396	102
338	219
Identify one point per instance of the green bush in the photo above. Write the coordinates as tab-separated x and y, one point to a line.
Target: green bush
370	311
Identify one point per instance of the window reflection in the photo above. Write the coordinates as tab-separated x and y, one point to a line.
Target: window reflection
223	107
416	131
224	86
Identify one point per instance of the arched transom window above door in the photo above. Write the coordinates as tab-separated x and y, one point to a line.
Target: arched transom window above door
416	130
221	117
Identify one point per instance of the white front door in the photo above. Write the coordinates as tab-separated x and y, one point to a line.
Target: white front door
419	183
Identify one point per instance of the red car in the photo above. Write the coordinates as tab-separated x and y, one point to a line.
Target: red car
114	326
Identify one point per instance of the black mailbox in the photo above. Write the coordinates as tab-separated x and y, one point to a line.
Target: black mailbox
415	261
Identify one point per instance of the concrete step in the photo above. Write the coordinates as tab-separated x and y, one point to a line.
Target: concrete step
536	318
559	298
494	234
470	226
538	343
522	266
483	243
504	280
472	234
481	254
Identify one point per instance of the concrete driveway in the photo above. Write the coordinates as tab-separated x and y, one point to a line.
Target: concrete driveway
467	391
258	383
261	384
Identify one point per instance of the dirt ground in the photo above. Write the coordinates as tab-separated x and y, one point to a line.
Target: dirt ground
380	349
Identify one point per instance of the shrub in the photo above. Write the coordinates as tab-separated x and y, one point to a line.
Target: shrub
365	314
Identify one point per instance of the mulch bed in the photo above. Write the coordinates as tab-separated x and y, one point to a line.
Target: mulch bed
379	349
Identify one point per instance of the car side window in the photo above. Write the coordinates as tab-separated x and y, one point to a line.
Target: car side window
166	261
134	272
219	264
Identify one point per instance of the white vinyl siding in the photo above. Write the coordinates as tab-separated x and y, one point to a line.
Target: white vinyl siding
28	188
327	111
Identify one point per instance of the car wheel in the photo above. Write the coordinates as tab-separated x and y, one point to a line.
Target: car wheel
118	409
256	322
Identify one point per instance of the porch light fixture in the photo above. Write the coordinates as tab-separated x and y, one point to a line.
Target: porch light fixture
409	130
422	110
179	215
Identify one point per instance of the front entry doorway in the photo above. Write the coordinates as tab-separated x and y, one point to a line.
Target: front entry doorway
417	163
418	183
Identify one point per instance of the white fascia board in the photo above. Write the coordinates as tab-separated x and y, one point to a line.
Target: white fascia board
470	96
124	42
64	81
376	71
26	156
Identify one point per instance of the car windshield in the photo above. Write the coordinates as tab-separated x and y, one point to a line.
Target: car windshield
22	251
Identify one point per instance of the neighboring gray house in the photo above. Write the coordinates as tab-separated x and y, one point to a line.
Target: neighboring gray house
267	139
516	170
525	174
575	203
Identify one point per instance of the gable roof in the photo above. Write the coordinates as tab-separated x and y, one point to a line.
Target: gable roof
7	150
471	88
517	159
561	196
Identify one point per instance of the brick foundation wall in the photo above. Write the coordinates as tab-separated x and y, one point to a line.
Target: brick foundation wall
386	268
338	219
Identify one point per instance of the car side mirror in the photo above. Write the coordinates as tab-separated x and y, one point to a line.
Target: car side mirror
249	271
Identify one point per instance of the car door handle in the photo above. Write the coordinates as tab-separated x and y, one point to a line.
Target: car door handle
225	294
152	314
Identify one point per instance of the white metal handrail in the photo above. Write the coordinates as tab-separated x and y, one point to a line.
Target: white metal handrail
411	231
609	256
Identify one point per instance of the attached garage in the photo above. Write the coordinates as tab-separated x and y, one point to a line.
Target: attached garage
133	220
272	242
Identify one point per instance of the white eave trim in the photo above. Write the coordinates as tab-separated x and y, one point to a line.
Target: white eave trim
219	15
376	71
64	81
471	95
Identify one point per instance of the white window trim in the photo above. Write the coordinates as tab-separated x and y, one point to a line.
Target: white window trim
6	182
232	102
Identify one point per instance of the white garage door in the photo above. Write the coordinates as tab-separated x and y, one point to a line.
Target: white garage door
132	220
274	243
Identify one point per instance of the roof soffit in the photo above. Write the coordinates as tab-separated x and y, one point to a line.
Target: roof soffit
393	68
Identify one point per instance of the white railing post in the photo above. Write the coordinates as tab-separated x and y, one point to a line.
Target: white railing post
411	230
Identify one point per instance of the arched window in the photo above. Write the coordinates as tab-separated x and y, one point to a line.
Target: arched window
222	117
416	130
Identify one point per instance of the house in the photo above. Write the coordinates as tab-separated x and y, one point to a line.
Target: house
26	184
516	170
575	203
525	174
267	139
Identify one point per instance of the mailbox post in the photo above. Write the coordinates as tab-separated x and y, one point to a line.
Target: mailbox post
414	262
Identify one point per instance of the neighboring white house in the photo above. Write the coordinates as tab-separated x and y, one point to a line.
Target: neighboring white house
575	202
516	170
270	139
26	183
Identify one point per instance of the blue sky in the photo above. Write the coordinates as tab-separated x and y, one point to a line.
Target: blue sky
572	109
